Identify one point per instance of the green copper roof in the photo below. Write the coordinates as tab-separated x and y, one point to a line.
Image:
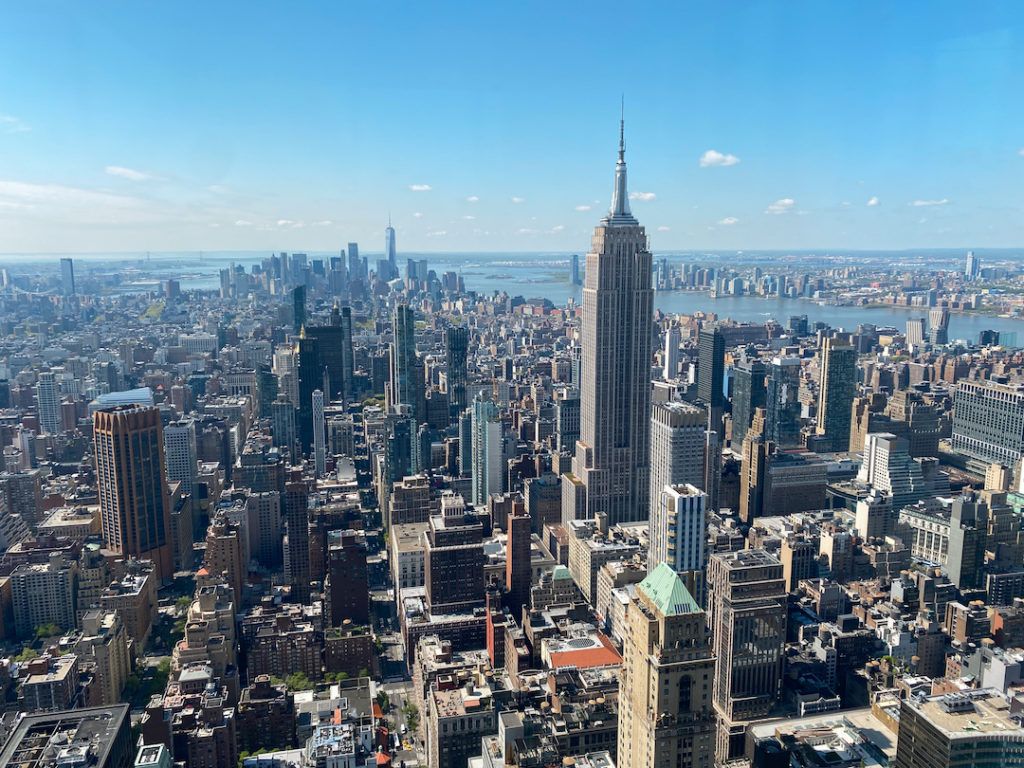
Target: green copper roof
667	591
561	572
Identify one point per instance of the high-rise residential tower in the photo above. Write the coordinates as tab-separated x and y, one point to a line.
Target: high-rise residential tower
938	320
665	714
678	533
973	267
406	386
486	450
610	467
135	508
319	434
296	544
838	386
673	355
48	401
181	455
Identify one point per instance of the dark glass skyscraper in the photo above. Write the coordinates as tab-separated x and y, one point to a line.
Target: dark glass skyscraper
299	307
309	371
782	406
836	391
711	366
748	393
406	385
457	342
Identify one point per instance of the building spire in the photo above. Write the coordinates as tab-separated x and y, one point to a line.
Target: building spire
619	212
622	130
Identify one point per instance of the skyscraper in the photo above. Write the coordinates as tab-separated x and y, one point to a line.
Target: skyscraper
486	451
748	394
711	366
782	404
677	449
915	330
672	353
678	531
319	434
574	270
938	320
298	307
310	375
347	587
296	549
665	713
457	342
355	265
389	251
518	563
610	467
181	455
282	417
406	386
973	266
67	277
48	401
135	511
347	359
837	388
747	618
330	341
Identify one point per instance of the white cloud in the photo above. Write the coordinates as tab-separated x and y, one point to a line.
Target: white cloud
518	200
728	221
643	196
290	224
468	217
526	231
420	187
12	124
322	223
473	199
782	205
437	233
19	191
558	227
582	207
218	189
928	203
128	173
243	223
417	215
713	158
872	201
664	228
1021	152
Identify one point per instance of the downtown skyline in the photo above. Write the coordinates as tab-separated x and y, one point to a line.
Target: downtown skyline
136	129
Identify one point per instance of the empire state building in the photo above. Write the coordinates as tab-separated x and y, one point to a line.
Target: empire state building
611	467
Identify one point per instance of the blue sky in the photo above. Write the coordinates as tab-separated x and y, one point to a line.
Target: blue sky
493	126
